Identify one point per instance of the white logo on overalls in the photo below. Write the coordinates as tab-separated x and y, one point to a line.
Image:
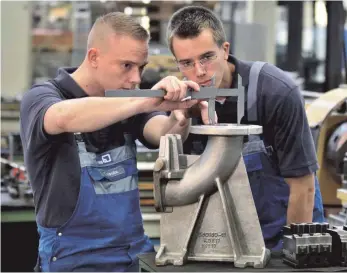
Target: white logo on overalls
106	158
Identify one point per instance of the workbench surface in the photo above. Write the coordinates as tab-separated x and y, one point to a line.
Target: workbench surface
275	265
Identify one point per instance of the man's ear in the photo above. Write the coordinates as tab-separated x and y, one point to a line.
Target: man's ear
226	48
93	57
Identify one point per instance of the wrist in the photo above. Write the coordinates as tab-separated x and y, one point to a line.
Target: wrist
143	105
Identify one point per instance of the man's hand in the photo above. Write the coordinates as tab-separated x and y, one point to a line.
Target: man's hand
179	120
199	109
203	105
176	91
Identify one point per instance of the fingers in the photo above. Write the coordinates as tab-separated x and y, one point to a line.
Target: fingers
173	89
167	105
183	104
192	85
180	116
158	85
187	104
180	90
203	105
176	90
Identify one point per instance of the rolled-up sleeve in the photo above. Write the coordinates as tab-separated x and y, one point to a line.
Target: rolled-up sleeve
33	107
138	126
293	138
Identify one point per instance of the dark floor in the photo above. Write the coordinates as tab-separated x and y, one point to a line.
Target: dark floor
19	244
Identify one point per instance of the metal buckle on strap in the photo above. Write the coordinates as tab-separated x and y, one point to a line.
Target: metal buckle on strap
269	150
78	137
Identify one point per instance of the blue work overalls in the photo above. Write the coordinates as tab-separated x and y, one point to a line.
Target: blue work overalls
269	189
105	232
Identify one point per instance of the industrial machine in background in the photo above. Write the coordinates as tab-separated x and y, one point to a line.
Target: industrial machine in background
15	187
337	158
327	116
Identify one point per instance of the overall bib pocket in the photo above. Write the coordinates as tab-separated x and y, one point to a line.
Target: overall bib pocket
115	178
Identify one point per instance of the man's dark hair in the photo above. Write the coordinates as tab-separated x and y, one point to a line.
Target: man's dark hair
189	22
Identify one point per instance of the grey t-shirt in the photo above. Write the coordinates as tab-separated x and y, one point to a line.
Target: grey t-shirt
281	112
52	161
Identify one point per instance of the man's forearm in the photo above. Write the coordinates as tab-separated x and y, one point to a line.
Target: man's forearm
301	199
90	114
175	127
159	126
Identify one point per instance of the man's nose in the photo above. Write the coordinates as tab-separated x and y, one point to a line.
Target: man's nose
200	70
135	77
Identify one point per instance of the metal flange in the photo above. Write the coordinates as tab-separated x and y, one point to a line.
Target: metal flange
226	129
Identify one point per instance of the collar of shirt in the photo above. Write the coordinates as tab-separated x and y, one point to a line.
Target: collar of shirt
68	85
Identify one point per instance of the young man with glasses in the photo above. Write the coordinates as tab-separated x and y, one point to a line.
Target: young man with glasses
281	163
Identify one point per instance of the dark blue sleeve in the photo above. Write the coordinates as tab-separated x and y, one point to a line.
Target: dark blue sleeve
138	123
33	107
293	140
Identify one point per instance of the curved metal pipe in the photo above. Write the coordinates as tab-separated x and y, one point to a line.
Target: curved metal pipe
218	160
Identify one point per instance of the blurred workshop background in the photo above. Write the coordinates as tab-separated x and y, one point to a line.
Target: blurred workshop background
305	39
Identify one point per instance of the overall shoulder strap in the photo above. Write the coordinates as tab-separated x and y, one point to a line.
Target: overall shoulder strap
252	109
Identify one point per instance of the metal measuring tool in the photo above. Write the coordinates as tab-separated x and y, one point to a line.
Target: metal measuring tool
212	104
206	93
